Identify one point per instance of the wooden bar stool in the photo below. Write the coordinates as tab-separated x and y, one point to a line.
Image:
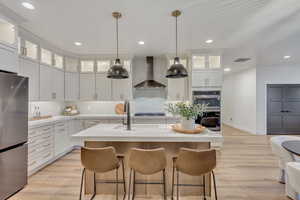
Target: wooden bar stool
194	163
101	160
147	162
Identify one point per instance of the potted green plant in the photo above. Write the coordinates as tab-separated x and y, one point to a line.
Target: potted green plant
187	111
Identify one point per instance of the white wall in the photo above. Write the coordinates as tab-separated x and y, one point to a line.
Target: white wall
239	100
283	74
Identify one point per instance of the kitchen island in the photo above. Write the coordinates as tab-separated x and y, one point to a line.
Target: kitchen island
147	136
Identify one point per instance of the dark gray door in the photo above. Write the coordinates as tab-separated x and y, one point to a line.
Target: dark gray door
283	109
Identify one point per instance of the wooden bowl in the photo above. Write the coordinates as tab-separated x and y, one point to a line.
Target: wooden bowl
178	128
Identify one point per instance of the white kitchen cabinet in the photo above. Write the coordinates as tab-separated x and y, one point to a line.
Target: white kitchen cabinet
210	79
121	89
51	83
71	86
177	89
40	147
30	69
87	86
103	87
61	138
58	81
46	92
8	59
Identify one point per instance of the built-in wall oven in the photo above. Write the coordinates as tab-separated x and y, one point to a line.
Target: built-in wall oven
212	115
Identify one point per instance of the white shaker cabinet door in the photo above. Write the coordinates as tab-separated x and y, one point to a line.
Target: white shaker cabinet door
58	84
71	86
87	86
103	87
121	89
46	89
30	69
207	78
177	89
8	59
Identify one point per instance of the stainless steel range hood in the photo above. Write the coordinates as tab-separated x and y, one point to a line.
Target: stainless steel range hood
149	82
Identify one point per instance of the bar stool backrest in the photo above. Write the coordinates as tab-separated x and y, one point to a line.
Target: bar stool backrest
147	161
99	160
196	162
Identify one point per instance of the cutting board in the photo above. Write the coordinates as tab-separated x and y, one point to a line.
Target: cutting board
119	109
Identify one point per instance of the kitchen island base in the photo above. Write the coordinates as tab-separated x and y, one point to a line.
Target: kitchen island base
172	149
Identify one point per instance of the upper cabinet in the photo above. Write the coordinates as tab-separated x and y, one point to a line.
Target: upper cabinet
177	88
58	61
87	80
122	89
51	83
207	71
203	61
71	79
8	46
30	69
28	49
8	33
46	56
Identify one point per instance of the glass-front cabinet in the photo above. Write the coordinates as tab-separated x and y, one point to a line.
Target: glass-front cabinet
206	61
8	33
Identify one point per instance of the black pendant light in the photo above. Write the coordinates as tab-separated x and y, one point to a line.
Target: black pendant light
177	70
117	71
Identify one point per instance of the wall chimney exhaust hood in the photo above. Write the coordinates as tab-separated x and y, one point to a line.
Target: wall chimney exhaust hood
150	82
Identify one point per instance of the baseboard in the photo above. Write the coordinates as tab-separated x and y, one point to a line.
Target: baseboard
250	131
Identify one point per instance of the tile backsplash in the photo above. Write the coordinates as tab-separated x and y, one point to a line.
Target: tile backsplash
46	108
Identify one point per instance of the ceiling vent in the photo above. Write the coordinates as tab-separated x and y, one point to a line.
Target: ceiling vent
240	60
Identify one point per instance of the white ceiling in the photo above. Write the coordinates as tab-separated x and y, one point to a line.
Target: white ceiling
230	23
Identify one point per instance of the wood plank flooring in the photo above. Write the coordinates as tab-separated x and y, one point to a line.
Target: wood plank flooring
246	170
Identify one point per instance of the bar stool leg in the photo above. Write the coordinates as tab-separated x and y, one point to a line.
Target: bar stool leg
129	187
124	183
81	184
95	184
133	192
177	185
204	188
117	183
215	186
164	184
173	177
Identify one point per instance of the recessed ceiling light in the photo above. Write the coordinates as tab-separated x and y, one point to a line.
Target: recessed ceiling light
141	42
209	41
28	5
287	57
227	70
78	43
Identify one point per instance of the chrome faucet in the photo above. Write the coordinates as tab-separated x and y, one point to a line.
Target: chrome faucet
127	110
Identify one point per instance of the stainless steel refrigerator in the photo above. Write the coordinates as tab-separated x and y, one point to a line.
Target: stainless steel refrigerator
13	133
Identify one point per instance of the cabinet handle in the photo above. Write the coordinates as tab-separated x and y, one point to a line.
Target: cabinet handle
47	129
46	137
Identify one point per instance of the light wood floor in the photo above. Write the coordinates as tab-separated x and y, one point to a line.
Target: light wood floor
246	170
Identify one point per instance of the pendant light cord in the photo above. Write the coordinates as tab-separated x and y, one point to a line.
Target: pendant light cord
117	29
176	38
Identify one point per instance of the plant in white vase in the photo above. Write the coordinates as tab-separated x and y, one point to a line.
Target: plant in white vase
187	111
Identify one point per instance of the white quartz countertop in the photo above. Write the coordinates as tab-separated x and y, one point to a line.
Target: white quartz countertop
91	116
144	133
